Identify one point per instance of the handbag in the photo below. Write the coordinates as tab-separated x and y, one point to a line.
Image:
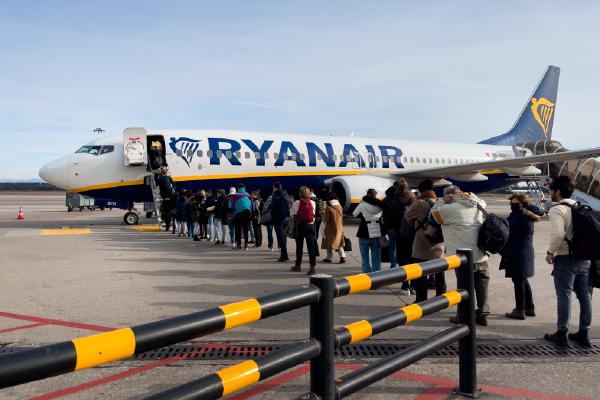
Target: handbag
290	229
347	244
384	242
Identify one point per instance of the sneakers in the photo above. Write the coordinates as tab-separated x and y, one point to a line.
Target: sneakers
530	312
515	314
581	338
270	249
481	320
326	260
404	292
454	320
559	338
342	260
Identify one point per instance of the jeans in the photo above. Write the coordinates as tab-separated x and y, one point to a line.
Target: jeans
190	228
392	247
257	229
211	221
242	222
372	246
421	284
572	275
306	232
252	232
231	226
270	236
180	227
523	294
219	226
281	239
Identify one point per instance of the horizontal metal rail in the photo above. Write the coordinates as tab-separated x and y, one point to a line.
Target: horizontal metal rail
91	351
366	328
362	282
354	381
239	376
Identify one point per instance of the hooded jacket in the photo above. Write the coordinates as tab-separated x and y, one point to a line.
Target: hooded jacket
370	211
460	220
240	202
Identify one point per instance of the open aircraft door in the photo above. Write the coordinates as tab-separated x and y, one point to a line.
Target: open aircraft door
134	147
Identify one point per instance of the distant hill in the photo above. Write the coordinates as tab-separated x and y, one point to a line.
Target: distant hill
28	187
30	180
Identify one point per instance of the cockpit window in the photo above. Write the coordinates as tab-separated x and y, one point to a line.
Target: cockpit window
96	150
107	149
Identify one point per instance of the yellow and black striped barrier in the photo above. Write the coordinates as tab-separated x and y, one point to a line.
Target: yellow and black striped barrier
361	330
90	351
362	282
244	374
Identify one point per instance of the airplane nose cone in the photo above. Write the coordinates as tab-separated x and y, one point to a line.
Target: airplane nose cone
56	173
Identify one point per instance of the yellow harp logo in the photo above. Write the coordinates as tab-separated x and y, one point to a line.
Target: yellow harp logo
542	110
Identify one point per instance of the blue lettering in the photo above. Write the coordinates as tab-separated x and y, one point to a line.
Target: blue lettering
214	145
350	150
372	156
284	156
392	152
261	151
327	155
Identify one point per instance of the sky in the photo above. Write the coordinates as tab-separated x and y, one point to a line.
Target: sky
441	70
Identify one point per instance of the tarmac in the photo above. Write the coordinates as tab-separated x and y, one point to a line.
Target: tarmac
67	275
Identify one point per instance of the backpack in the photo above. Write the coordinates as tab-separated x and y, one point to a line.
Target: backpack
493	233
306	214
586	232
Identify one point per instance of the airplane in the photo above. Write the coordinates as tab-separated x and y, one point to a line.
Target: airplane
118	167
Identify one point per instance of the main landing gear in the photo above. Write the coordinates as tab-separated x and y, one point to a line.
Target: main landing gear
131	218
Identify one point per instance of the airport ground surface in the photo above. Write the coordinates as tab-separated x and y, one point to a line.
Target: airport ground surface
58	287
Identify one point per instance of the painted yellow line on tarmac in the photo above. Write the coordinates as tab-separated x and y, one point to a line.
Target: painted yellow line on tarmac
146	228
66	231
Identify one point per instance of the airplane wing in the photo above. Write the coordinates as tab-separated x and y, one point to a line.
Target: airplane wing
512	166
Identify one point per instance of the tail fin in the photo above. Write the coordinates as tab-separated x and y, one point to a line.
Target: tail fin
536	120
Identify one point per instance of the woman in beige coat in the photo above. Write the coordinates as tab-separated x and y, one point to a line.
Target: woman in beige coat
333	238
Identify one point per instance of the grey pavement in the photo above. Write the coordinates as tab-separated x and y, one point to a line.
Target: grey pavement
116	276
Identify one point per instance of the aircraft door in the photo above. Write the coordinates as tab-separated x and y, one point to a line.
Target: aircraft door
134	147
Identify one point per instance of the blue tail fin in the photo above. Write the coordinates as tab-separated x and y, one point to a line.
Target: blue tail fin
536	119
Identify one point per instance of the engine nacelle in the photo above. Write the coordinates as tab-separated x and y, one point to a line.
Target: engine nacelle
351	189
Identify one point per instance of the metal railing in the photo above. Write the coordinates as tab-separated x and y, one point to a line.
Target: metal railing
91	351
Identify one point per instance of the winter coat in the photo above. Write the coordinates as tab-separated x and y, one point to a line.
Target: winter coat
395	208
417	216
220	208
369	210
280	206
296	207
518	255
240	202
333	218
460	221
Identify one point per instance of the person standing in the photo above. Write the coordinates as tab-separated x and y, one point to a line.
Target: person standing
518	254
333	234
180	213
280	217
398	198
230	223
460	218
210	205
267	220
303	212
417	217
571	274
256	227
241	203
219	224
369	231
190	212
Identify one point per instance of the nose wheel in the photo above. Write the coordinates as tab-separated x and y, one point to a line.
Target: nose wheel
131	218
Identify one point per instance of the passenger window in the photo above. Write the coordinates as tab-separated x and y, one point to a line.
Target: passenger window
257	155
377	158
412	160
219	153
275	155
228	154
199	153
107	149
247	154
266	156
405	159
238	154
386	159
319	157
302	156
209	154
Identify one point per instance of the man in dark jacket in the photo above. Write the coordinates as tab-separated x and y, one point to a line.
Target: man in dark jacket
280	217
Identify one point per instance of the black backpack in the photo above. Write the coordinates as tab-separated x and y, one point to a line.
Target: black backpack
493	233
586	232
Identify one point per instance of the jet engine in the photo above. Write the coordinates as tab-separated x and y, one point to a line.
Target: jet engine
349	189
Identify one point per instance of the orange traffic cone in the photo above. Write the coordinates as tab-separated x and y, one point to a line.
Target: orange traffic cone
21	214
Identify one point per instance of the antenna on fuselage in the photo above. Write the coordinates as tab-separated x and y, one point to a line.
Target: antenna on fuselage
99	131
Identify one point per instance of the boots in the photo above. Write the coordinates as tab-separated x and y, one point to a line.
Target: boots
582	338
296	268
559	338
515	314
312	270
530	312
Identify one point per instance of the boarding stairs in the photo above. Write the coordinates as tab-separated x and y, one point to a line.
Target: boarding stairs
150	181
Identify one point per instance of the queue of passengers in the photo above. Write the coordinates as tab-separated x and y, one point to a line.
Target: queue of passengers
409	228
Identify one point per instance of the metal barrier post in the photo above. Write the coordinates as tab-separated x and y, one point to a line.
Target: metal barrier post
322	369
466	314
